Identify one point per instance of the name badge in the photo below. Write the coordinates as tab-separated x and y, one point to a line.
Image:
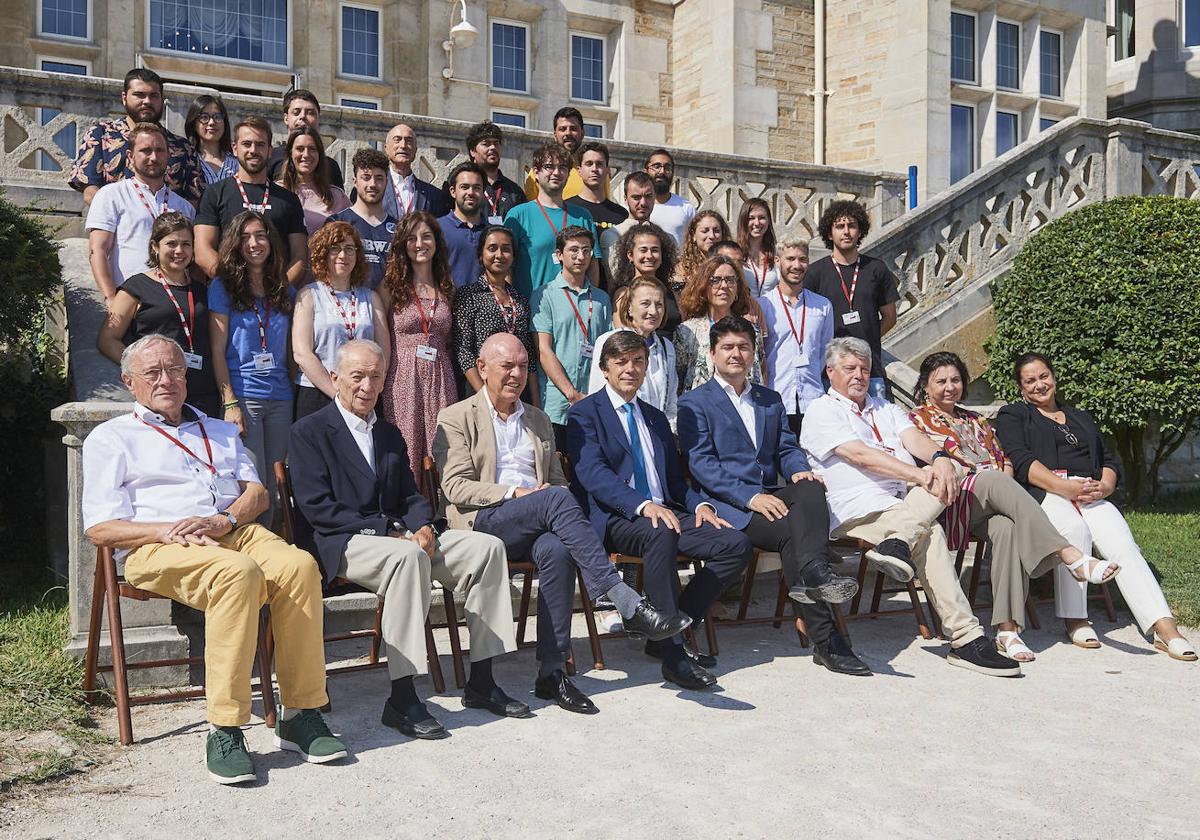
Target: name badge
851	318
264	361
585	350
226	485
193	360
802	362
495	220
424	351
986	465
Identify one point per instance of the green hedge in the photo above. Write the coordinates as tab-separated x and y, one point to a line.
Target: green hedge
1111	293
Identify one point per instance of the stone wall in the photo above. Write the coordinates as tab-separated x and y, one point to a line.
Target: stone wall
654	20
789	69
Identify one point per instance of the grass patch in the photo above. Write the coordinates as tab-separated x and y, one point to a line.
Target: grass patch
46	729
1169	535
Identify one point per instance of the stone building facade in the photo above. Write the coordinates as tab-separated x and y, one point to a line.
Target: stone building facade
1154	62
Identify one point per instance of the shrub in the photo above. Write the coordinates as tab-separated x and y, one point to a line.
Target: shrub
1111	293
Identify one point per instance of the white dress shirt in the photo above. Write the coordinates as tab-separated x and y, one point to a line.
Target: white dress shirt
360	430
742	404
796	370
516	457
133	473
401	194
851	491
129	215
660	388
618	403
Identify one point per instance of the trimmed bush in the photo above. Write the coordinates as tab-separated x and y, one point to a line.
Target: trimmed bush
1111	294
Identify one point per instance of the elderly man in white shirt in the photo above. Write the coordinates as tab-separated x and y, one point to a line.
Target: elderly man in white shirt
501	475
863	448
168	488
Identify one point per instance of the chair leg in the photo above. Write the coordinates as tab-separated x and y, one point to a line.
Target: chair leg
877	595
523	612
589	618
91	661
958	560
710	634
265	679
435	663
919	612
976	567
862	583
377	633
116	638
781	599
570	662
802	628
456	654
1031	611
1109	609
839	621
748	587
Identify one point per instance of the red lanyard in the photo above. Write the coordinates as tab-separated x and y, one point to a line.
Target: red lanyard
853	282
208	446
578	317
426	323
257	208
188	322
142	197
546	216
868	421
264	324
495	205
351	322
510	324
396	182
788	312
758	284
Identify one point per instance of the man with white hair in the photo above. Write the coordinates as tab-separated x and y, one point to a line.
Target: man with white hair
501	475
169	489
864	449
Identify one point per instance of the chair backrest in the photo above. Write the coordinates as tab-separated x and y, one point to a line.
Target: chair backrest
430	484
565	463
287	504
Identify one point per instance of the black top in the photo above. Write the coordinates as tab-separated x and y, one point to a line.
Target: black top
279	155
477	317
876	288
223	200
1028	436
156	314
607	215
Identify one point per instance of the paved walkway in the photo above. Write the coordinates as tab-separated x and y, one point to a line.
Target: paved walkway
1087	744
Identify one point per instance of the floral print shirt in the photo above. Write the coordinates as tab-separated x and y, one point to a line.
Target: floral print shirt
103	159
966	437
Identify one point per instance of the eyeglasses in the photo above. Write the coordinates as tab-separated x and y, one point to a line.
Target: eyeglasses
210	118
659	167
555	167
173	372
343	249
716	280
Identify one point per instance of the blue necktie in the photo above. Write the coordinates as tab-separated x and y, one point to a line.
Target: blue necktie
640	479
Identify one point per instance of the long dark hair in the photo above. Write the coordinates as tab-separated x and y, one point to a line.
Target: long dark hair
321	177
666	246
193	116
938	360
235	274
398	274
743	229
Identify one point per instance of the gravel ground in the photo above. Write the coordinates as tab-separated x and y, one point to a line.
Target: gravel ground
1086	744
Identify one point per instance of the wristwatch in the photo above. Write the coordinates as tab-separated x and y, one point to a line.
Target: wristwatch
232	519
941	453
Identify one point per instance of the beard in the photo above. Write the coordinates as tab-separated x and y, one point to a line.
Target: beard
144	114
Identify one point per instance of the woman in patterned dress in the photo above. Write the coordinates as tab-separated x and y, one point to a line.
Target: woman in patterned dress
418	295
718	289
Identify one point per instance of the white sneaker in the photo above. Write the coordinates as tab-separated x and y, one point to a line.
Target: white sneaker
609	621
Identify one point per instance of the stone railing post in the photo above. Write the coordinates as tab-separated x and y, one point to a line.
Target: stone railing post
1123	158
149	631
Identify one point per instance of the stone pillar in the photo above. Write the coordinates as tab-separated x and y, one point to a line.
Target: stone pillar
1123	158
149	631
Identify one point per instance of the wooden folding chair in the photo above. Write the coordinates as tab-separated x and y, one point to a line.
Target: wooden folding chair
880	589
776	619
109	588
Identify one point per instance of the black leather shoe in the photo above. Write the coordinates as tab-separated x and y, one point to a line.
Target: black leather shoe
648	622
562	691
818	582
687	674
656	650
427	729
894	558
496	702
837	655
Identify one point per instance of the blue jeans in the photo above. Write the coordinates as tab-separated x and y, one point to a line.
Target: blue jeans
268	423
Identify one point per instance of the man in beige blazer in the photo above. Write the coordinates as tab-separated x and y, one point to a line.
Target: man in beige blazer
501	476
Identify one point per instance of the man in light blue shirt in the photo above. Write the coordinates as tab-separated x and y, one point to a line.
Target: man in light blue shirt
799	323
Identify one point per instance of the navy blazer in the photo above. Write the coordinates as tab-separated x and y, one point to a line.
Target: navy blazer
428	198
734	471
338	493
603	461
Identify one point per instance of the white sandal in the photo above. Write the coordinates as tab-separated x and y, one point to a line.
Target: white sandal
1084	636
1094	574
1008	643
1178	648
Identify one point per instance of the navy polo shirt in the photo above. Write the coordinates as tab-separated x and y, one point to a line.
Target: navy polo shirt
462	248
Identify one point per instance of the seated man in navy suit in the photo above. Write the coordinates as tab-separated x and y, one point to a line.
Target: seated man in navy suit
629	481
740	473
371	525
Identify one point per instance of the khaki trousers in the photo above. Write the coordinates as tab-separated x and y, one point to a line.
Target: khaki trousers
1024	543
230	582
470	563
914	520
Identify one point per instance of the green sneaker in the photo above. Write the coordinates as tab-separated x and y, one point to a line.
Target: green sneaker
307	734
228	760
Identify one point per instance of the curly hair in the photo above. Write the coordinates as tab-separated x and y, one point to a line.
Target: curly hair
322	242
398	274
839	210
666	245
694	301
235	274
743	229
552	152
692	256
931	363
321	177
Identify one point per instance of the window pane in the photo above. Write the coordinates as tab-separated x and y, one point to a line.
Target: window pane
501	118
1008	55
65	138
1124	19
248	30
64	67
1191	23
1045	123
587	68
962	141
359	103
65	17
360	42
962	47
509	57
1007	127
1051	64
593	130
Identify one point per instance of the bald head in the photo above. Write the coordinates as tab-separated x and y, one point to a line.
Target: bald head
503	366
501	344
401	147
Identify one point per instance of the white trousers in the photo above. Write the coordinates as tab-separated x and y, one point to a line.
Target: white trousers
1099	528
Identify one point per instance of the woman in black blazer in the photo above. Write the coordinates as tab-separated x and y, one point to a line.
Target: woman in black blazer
1059	456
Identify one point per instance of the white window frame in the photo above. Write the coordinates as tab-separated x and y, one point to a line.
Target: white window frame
604	67
378	42
232	62
603	130
373	99
1020	74
1062	76
974	137
1016	140
975	58
509	112
42	33
491	53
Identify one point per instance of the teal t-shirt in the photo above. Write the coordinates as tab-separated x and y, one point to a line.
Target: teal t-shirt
534	265
554	314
